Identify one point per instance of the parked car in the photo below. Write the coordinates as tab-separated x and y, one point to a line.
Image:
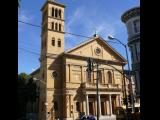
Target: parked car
121	113
84	117
90	117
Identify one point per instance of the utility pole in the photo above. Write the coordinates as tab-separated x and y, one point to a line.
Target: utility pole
125	94
130	81
97	92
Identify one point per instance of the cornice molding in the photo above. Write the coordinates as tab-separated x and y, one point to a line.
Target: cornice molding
133	12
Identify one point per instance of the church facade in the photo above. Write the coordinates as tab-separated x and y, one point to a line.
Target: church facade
66	90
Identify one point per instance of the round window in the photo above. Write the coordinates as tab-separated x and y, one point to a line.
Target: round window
98	51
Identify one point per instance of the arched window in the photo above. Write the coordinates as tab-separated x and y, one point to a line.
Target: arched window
52	12
89	77
109	74
100	76
59	13
55	106
136	25
78	106
56	26
59	27
53	41
56	13
59	42
52	25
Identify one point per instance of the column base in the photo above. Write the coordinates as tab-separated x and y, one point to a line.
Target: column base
67	118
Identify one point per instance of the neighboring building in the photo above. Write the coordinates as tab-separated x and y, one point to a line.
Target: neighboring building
130	87
132	20
65	90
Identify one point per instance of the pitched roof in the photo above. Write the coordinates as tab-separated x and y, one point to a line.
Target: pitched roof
35	72
96	38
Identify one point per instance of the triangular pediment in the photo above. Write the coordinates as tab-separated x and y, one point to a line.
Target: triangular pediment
96	48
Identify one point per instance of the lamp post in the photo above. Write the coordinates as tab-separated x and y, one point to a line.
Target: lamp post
130	82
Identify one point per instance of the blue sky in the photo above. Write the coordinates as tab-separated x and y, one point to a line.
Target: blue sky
81	17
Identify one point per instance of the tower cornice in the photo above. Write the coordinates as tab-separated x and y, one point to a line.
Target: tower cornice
130	13
54	3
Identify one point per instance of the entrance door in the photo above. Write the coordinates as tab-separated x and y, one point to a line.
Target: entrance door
91	108
102	108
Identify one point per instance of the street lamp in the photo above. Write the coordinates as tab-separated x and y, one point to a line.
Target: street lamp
125	46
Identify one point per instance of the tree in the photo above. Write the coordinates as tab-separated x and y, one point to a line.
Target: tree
22	82
23	79
31	92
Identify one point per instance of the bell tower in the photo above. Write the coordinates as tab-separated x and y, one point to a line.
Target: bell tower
52	45
52	34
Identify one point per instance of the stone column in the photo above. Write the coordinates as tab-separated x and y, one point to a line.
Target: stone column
108	107
119	98
82	74
87	105
67	107
67	72
84	108
99	99
110	104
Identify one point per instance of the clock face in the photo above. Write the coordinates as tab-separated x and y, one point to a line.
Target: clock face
98	51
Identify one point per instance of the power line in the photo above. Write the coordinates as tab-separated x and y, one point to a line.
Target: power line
64	32
29	23
78	35
31	52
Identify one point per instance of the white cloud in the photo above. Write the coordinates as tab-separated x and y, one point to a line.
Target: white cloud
87	23
90	23
24	16
33	69
72	20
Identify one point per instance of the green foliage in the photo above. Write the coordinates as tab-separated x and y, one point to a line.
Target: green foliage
23	79
23	76
26	92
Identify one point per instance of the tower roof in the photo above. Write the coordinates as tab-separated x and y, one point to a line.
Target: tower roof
130	13
54	3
